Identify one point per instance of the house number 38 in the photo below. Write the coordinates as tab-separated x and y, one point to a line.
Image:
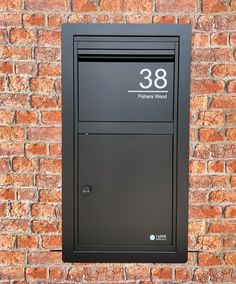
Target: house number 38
160	81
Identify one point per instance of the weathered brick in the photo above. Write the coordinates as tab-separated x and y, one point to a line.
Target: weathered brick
44	133
210	135
223	196
199	102
111	6
49	69
6	67
215	166
161	273
223	70
12	273
28	241
22	36
8	5
15	52
51	117
219	39
55	149
204	211
52	242
18	83
231	134
230	212
27	194
11	133
19	209
7	241
197	167
50	165
222	227
14	226
57	273
23	164
10	19
208	181
43	227
75	274
44	5
200	39
6	116
49	37
43	102
208	242
164	20
230	258
207	87
104	273
55	20
26	68
42	210
208	259
176	6
141	272
83	6
183	274
231	88
39	84
36	273
223	102
48	181
209	118
51	195
214	6
26	117
47	53
44	257
33	20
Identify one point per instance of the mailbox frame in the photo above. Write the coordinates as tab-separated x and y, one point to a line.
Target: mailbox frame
70	35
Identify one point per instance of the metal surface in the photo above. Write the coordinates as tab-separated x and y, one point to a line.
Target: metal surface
125	157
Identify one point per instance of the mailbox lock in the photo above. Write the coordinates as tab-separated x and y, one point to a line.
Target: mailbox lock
86	190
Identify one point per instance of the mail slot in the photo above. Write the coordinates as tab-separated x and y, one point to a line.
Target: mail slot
125	142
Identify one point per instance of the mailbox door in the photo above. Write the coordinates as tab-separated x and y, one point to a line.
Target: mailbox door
125	91
130	204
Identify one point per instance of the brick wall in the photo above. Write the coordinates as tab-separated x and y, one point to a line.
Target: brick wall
30	133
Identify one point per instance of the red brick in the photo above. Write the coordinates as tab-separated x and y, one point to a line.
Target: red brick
49	37
223	102
230	258
222	227
208	242
201	275
104	273
18	83
232	38
55	20
231	166
15	52
39	84
44	5
233	181
22	36
49	69
12	273
50	165
14	226
26	117
10	5
111	6
11	133
3	36
214	6
27	194
183	274
47	53
11	149
34	20
51	195
55	149
230	212
43	226
10	19
230	242
51	117
75	274
204	211
44	258
161	273
212	55
199	71
231	88
200	39
6	67
197	167
219	39
208	259
6	116
207	87
223	196
42	210
233	5
51	242
215	166
7	241
36	273
210	135
176	6
12	257
44	102
13	100
83	6
36	149
231	118
137	6
2	83
210	118
231	134
199	102
57	273
164	20
44	133
23	164
47	181
208	181
196	197
7	194
140	272
223	70
19	209
27	242
16	179
26	68
3	209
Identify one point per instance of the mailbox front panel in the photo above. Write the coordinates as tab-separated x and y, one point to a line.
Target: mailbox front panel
125	142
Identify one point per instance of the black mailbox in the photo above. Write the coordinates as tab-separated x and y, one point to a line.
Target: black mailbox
125	142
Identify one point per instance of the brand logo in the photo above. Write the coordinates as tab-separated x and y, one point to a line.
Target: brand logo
160	237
